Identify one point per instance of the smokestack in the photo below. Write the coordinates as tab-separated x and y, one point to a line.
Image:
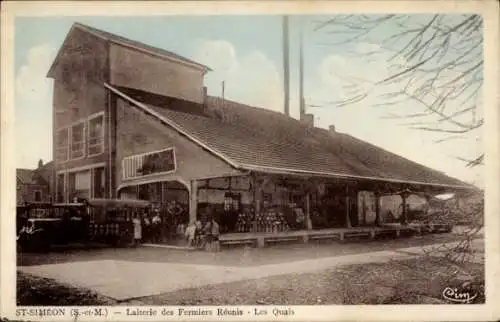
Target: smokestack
307	119
301	77
286	66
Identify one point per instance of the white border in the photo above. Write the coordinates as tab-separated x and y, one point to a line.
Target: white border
490	12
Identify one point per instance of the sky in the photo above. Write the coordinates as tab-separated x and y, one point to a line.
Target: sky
246	53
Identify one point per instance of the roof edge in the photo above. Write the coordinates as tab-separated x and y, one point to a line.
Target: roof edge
173	125
144	50
341	175
86	29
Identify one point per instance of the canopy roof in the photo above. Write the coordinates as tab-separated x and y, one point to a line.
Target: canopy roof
256	139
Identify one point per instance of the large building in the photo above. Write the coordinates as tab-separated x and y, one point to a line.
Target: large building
134	121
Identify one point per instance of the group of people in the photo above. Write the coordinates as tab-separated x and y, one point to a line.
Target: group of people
203	236
198	235
152	228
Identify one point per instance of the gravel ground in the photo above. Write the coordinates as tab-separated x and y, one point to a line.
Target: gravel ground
416	281
241	256
33	290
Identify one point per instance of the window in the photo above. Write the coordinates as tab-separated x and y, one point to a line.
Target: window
62	145
37	195
78	141
79	184
96	135
148	164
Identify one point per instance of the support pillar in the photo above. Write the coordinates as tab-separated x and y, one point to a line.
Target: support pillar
308	211
404	219
347	207
193	200
377	209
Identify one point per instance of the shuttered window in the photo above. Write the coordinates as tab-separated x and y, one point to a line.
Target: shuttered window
62	148
96	135
148	164
78	141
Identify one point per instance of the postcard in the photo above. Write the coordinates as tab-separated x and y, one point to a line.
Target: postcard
250	161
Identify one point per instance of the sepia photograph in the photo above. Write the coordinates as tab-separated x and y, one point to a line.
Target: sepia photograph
262	160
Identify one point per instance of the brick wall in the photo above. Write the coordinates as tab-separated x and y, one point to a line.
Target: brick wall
26	191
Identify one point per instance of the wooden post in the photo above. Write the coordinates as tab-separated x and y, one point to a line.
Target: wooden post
404	195
377	208
347	206
308	211
363	207
193	200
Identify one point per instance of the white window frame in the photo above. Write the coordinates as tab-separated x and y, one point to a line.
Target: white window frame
139	160
67	147
103	135
83	142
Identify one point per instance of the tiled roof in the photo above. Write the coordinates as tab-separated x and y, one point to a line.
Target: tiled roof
25	175
136	44
36	176
259	139
46	170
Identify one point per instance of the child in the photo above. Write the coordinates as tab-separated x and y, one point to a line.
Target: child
190	233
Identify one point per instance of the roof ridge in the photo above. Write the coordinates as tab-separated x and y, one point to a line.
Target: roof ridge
134	43
258	108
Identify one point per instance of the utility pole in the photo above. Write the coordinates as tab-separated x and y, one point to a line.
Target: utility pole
301	77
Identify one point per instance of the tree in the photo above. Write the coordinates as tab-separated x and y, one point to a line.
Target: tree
434	61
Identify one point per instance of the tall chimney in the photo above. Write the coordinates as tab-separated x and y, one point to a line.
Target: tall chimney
286	66
301	78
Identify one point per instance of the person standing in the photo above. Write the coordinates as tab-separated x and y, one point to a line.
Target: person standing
215	236
157	226
190	233
212	232
137	230
147	228
198	234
